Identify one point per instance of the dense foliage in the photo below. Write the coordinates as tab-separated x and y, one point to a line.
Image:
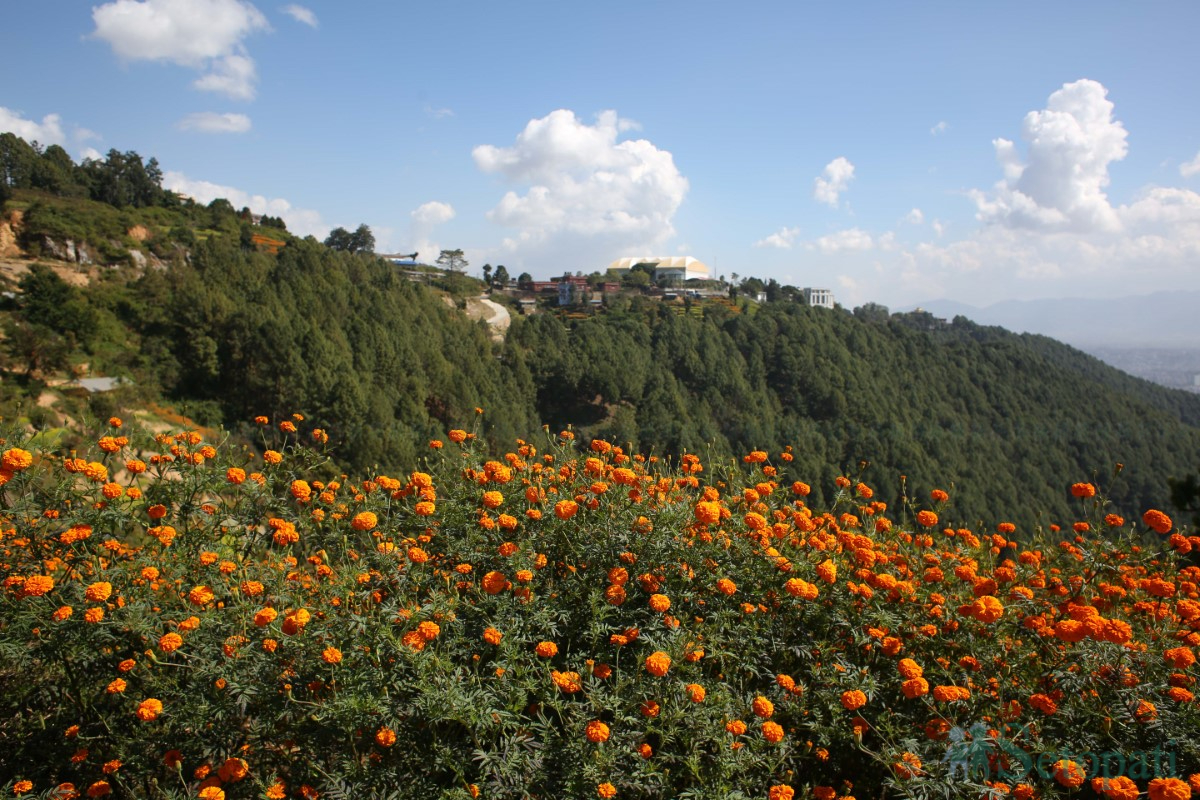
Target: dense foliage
181	617
295	324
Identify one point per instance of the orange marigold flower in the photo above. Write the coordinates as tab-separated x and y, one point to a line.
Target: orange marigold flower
385	737
910	669
37	585
364	521
117	686
492	636
568	682
1157	521
1083	490
331	655
170	642
657	663
708	512
425	508
428	630
1169	789
149	709
762	707
98	592
853	700
927	519
726	586
939	495
1118	788
235	475
201	596
546	649
99	789
915	687
211	793
565	509
1180	657
494	582
696	692
827	571
780	792
15	459
1043	703
22	787
62	613
801	588
596	732
265	616
606	790
660	603
772	731
272	457
1068	773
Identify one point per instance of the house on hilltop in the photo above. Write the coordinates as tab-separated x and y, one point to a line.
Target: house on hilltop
667	270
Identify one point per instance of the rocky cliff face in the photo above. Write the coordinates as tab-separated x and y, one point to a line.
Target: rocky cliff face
8	235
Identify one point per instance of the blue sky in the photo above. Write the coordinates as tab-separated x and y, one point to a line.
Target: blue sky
896	155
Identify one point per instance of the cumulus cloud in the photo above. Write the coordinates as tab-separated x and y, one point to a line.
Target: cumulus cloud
849	239
205	35
300	221
914	217
783	239
829	185
1190	168
587	194
212	122
939	128
48	131
301	14
434	212
1060	183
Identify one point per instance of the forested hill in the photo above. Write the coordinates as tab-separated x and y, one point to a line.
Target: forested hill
224	328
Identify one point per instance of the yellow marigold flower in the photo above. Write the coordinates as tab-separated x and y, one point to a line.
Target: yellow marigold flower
596	732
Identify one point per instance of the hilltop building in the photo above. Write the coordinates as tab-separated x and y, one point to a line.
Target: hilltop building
820	298
668	270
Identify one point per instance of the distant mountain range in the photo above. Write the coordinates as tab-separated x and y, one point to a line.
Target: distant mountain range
1165	320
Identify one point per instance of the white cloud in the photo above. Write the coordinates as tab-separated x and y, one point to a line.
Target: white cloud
438	113
434	212
587	197
939	128
205	35
850	239
48	131
300	221
1060	185
212	122
783	238
1190	168
833	181
914	217
92	153
301	14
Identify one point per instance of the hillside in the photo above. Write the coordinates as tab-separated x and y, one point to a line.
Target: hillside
198	312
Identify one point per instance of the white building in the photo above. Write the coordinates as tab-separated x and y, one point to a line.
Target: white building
820	298
668	270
